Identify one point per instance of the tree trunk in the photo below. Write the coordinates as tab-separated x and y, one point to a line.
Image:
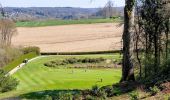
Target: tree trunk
128	43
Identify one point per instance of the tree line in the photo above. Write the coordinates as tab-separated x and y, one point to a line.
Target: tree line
146	40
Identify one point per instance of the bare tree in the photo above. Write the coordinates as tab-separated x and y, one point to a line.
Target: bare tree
7	31
109	10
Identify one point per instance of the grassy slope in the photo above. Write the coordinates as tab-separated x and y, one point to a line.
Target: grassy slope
36	77
18	61
63	22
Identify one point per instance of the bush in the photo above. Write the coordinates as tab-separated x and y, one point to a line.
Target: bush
7	83
70	61
47	97
116	91
77	97
89	97
154	90
64	96
96	91
27	50
109	90
134	95
73	61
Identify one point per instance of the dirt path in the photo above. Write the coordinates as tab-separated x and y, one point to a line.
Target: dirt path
71	38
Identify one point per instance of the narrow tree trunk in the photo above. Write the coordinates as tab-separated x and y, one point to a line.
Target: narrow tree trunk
128	43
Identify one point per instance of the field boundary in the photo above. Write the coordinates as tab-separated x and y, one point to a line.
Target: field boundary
80	53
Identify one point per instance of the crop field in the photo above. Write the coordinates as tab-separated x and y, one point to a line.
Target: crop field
64	22
71	38
36	77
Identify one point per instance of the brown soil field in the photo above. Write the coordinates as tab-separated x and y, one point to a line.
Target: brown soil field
71	38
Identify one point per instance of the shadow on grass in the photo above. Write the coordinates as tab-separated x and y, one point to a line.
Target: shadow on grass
111	90
43	94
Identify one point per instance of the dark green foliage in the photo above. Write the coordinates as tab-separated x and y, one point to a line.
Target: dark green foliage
64	96
109	90
77	96
134	95
89	97
54	95
7	83
71	61
152	37
95	89
27	50
47	97
154	90
161	76
105	92
98	92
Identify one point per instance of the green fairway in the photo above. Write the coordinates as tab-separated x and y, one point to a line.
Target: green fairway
63	22
37	77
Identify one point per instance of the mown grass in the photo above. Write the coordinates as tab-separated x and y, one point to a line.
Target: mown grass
36	77
63	22
18	61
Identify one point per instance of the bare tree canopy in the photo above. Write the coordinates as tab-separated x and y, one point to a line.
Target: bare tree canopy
7	31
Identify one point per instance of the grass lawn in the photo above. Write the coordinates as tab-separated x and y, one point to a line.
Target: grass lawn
63	22
37	77
18	61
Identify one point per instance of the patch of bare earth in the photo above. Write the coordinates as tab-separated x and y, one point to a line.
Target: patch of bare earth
71	38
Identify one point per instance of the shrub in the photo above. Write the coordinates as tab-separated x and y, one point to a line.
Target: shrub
49	64
154	90
73	61
70	61
64	96
47	97
92	60
108	90
77	97
134	95
96	91
7	83
27	50
116	91
89	97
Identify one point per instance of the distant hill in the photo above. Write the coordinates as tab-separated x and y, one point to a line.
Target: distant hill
32	13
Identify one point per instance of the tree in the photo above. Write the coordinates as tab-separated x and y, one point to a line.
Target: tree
153	23
128	43
7	31
2	13
7	83
108	10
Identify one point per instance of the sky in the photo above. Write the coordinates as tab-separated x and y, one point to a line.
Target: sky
59	3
